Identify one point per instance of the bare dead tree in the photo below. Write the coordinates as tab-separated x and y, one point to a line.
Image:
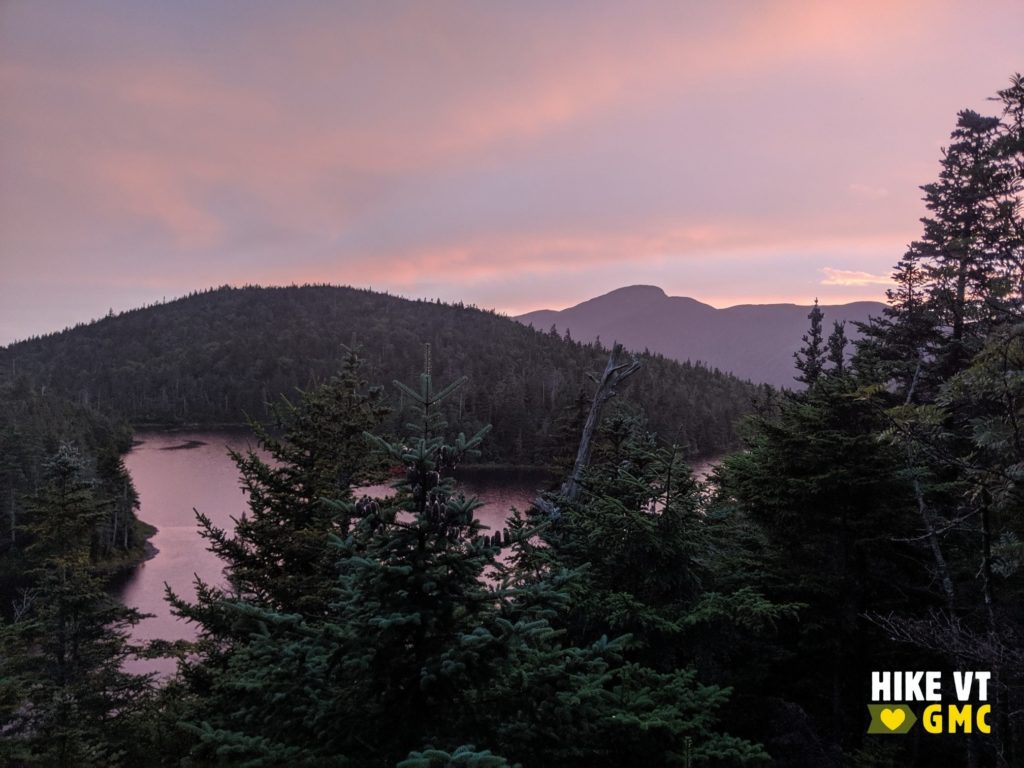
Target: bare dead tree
619	368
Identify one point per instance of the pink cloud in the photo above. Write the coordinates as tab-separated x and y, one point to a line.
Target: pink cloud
145	186
849	277
479	143
868	192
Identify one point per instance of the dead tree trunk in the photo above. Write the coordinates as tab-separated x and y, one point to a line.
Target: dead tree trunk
619	368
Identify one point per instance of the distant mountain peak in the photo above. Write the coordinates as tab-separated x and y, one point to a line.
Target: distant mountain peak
628	297
753	341
637	291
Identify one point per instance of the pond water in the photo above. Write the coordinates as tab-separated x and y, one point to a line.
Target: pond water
177	474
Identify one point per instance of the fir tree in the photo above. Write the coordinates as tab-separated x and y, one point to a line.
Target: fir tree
276	553
432	644
636	532
636	543
970	240
408	585
117	535
837	349
68	700
413	585
897	346
821	487
810	359
968	450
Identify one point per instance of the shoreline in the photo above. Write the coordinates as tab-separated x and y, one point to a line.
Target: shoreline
115	572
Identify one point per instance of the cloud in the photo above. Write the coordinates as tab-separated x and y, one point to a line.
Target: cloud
474	144
848	277
868	192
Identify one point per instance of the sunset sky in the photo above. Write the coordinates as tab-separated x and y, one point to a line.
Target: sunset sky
514	155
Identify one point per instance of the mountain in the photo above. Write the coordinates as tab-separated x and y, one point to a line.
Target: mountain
751	341
212	358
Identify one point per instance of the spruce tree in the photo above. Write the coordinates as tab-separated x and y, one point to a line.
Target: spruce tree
68	700
117	536
636	545
275	556
837	348
406	584
636	532
822	487
413	583
971	242
433	647
969	454
810	359
898	346
959	432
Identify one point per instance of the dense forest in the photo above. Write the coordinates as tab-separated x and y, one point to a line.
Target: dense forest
33	429
220	357
872	521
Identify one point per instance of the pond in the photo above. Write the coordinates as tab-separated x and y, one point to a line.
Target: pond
177	474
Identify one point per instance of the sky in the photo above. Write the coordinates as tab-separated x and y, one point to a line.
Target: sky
516	156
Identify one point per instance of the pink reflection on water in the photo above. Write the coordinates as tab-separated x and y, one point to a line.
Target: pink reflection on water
172	480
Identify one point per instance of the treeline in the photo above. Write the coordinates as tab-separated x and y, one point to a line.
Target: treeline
398	631
69	526
222	356
887	499
34	428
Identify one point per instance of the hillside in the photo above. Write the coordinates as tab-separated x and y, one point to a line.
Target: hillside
216	357
752	341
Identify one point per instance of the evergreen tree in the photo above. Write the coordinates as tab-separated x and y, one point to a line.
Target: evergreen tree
969	449
322	688
822	489
276	554
905	473
636	532
837	348
969	238
810	359
434	647
456	659
636	544
1009	149
413	584
119	534
957	431
897	346
68	702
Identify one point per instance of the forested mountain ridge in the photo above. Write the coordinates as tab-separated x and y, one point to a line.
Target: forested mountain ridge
220	356
752	341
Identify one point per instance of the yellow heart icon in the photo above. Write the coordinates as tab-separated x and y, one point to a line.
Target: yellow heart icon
892	718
